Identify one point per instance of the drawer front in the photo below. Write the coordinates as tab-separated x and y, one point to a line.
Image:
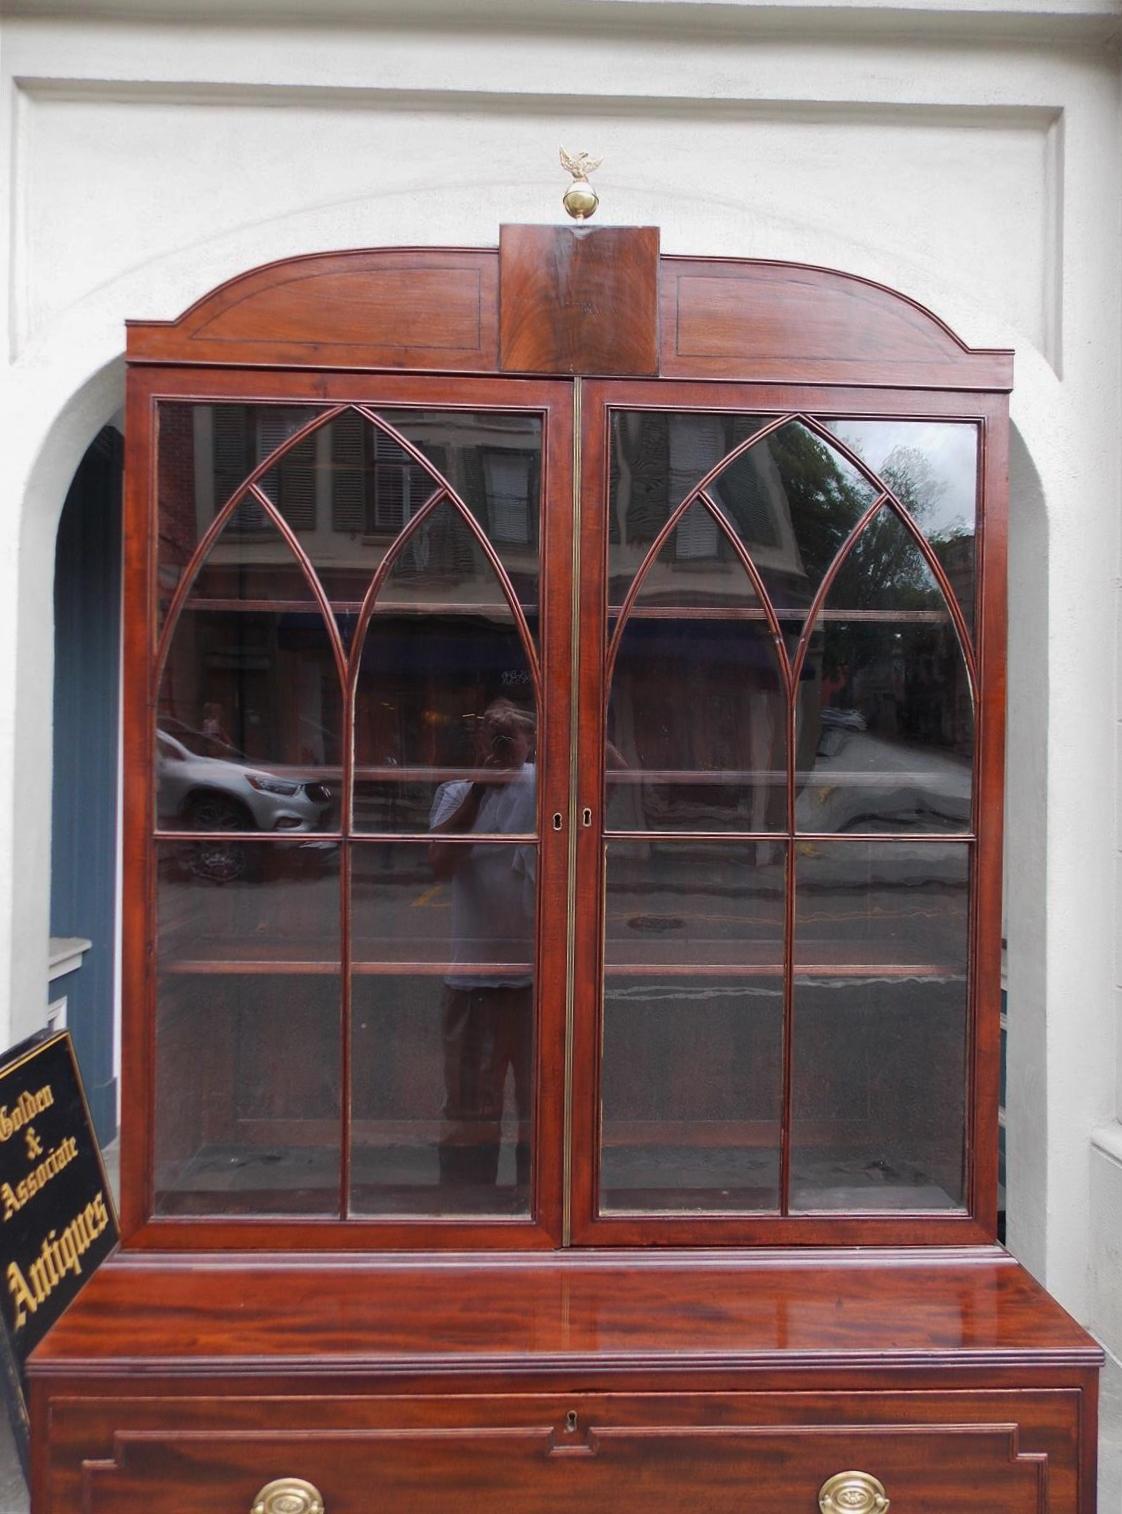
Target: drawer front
593	1468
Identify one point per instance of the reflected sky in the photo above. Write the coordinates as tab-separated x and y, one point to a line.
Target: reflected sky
949	449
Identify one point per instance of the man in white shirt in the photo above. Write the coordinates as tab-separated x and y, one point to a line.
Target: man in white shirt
488	998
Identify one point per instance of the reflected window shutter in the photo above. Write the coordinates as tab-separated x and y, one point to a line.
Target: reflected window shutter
294	479
348	486
232	455
389	496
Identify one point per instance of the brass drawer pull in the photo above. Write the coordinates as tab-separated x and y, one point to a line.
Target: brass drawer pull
288	1495
852	1493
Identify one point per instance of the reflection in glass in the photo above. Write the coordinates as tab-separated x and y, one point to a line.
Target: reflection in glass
880	1012
885	715
890	704
492	459
932	468
691	1093
885	570
792	498
248	724
428	675
347	489
692	1081
205	453
657	458
247	1029
697	569
696	727
443	1057
695	902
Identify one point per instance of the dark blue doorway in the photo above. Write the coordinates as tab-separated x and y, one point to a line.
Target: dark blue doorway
86	740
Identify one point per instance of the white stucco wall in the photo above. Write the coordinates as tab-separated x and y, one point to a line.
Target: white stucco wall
965	153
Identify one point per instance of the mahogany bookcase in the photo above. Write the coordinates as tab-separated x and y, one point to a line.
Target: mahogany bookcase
564	731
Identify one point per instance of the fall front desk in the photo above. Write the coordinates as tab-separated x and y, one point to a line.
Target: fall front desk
562	913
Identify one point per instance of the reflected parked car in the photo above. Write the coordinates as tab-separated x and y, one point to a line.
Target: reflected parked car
219	794
202	793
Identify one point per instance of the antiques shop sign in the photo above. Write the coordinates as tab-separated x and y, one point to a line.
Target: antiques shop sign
56	1212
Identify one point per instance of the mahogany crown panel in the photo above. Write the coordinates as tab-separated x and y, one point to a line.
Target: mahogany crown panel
735	318
431	308
573	300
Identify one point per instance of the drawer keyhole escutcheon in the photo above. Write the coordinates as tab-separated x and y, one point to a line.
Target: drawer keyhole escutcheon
852	1493
571	1421
288	1495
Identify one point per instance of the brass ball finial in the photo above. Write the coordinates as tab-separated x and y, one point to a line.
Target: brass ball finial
580	199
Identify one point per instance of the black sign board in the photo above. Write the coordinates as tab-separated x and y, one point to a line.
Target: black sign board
57	1221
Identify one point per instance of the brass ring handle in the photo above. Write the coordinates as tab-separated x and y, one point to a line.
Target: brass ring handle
288	1495
852	1493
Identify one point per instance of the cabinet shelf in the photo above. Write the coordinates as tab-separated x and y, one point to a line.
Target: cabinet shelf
303	967
491	609
796	616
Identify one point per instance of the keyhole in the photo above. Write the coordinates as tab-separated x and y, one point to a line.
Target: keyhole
571	1421
558	822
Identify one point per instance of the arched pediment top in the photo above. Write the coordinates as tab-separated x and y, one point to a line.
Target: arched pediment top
438	309
793	322
387	307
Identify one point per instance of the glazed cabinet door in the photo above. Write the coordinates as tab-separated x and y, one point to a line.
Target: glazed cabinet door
433	957
781	873
357	731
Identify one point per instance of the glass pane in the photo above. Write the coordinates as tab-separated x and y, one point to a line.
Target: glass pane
442	1053
692	1080
886	575
932	467
356	487
247	1029
886	722
249	711
443	696
492	459
793	500
679	902
697	569
880	1014
696	727
205	453
657	458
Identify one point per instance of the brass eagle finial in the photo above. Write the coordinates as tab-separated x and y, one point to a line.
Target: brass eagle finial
580	199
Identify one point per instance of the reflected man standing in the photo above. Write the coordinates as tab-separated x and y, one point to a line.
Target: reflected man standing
487	1012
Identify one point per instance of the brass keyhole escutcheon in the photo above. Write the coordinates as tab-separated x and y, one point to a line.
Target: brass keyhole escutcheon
288	1495
852	1493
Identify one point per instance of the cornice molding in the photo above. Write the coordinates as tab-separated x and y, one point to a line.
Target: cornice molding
1078	22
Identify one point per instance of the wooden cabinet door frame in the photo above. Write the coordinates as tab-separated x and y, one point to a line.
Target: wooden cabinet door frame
552	401
976	1221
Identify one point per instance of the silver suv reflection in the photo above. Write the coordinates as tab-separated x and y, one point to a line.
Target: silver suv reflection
220	794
